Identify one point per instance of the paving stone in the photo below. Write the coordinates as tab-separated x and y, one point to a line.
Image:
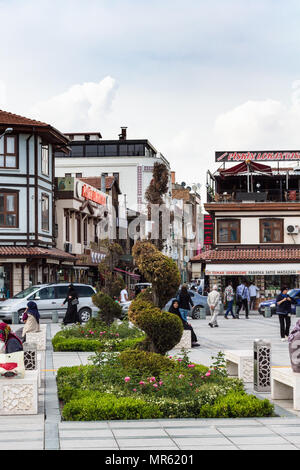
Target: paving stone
202	441
88	443
268	447
260	440
95	433
147	442
245	431
140	433
184	432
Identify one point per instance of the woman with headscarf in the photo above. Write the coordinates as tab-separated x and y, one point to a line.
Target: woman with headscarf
186	326
31	317
9	342
72	300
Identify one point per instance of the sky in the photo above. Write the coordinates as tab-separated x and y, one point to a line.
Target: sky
192	76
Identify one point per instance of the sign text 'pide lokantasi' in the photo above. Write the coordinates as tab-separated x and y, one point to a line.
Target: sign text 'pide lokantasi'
93	195
283	155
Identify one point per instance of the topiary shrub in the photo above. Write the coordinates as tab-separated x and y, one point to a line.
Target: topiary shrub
145	362
108	308
237	405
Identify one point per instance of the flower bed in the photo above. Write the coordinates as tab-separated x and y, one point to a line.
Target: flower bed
140	385
97	336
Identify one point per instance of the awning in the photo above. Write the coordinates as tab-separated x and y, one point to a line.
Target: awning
252	269
135	276
244	167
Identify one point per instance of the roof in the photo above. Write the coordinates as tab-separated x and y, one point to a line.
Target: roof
35	251
96	182
232	255
10	119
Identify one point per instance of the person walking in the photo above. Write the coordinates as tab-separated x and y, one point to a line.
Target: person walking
242	298
72	300
284	309
185	302
253	294
228	299
213	301
186	326
123	296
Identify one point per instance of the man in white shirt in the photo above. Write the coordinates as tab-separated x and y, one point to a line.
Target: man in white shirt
123	296
253	294
213	301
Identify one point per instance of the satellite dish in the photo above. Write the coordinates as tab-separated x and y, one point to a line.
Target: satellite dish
183	184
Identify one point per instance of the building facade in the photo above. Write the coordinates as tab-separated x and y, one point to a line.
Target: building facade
253	225
27	228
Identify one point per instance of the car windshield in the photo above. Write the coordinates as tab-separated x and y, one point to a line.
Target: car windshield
293	292
24	293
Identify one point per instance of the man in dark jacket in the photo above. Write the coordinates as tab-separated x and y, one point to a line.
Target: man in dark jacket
284	308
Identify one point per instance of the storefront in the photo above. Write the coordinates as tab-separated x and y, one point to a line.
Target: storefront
267	277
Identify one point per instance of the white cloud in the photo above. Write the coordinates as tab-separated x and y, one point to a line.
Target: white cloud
2	95
83	107
266	124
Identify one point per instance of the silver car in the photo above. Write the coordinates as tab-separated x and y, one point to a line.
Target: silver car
49	299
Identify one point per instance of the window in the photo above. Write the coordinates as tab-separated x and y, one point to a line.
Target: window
110	150
46	293
45	160
61	292
45	212
85	230
77	151
116	175
68	175
78	230
228	231
67	228
78	175
271	230
84	291
8	152
8	209
91	150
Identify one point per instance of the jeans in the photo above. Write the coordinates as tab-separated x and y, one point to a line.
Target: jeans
285	324
184	313
229	308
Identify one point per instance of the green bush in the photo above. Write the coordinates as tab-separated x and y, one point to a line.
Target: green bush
93	345
98	407
145	362
108	308
237	405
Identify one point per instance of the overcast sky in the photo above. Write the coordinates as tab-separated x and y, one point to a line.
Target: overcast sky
192	76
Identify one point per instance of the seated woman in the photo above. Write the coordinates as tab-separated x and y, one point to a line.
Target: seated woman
31	317
9	342
186	326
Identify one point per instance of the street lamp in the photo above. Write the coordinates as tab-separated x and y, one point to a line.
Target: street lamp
9	130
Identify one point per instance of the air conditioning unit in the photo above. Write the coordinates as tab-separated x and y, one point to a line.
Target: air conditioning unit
292	229
68	247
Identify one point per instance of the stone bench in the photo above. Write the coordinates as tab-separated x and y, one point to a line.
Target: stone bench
285	385
38	338
19	396
186	340
239	363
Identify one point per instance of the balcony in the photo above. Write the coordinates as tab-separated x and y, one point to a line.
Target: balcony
243	196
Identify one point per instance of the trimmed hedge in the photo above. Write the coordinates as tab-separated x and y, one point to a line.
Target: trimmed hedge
94	406
238	405
145	362
91	345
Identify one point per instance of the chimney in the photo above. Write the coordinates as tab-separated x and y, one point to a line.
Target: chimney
123	135
173	177
103	184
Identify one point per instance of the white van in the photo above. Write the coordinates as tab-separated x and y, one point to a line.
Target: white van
49	299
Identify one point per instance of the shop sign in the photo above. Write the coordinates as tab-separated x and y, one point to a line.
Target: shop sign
93	195
261	155
252	270
208	230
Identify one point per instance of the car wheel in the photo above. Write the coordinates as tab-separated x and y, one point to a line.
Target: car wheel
84	315
196	312
20	313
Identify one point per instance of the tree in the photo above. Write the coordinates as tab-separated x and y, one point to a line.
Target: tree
158	269
154	195
107	265
108	308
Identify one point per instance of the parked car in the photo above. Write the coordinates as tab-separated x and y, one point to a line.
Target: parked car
49	299
140	286
199	301
293	294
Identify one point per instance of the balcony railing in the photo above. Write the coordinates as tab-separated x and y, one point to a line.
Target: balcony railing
270	195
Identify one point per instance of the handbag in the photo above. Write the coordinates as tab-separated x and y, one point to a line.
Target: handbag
75	302
12	365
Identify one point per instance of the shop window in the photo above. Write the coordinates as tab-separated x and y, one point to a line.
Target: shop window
271	230
45	160
45	212
229	231
8	209
8	152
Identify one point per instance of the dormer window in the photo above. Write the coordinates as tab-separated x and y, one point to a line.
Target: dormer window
8	152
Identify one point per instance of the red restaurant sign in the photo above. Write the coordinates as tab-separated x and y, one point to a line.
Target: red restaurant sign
93	195
284	155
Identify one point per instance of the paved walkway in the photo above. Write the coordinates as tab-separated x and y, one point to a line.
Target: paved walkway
47	431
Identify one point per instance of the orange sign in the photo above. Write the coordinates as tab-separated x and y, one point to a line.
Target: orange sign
93	195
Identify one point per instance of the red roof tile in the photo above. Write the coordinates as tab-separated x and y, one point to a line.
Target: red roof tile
249	254
14	119
35	251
